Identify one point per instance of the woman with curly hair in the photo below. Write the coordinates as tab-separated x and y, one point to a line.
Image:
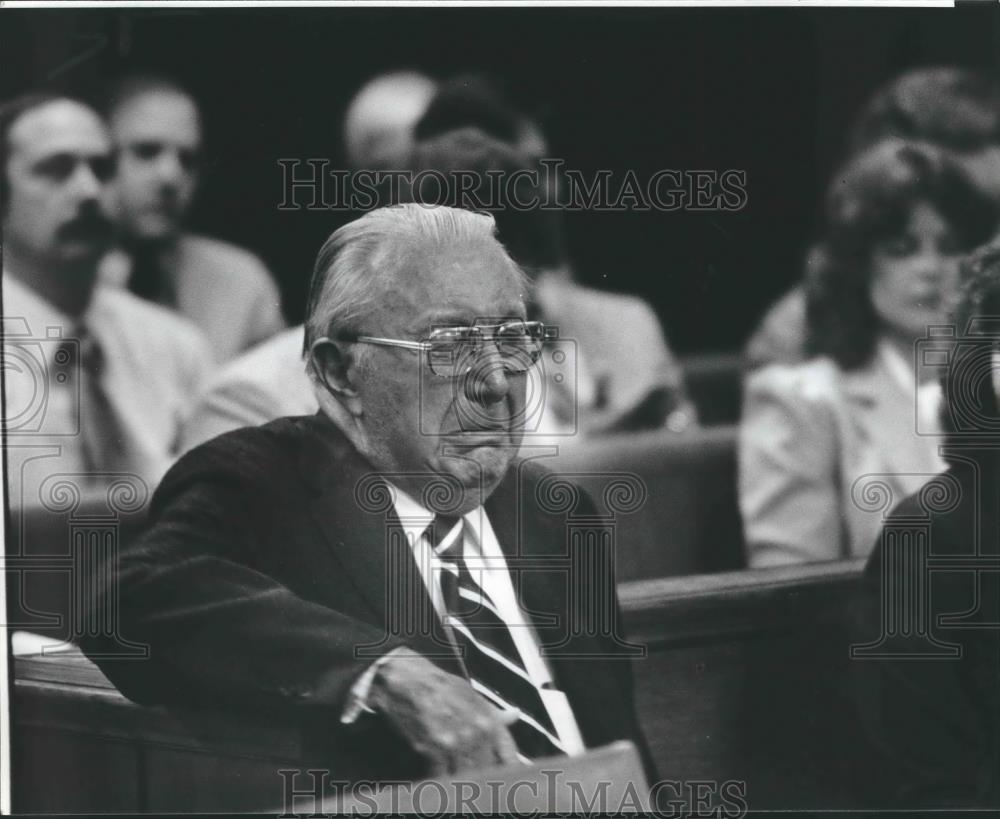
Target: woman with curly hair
899	216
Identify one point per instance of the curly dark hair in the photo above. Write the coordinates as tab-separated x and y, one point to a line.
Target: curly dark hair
971	407
871	200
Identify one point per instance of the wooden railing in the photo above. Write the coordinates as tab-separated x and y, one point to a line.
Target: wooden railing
745	681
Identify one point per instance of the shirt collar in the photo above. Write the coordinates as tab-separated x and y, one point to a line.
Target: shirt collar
24	302
415	518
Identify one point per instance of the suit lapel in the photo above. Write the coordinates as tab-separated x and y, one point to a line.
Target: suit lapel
353	510
883	416
538	577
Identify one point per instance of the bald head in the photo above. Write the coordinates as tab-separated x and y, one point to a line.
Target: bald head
378	126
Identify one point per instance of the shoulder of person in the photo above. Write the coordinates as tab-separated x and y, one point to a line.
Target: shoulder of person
623	307
245	457
817	381
955	503
279	354
157	327
223	256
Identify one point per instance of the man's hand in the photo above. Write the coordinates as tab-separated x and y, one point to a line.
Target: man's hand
441	716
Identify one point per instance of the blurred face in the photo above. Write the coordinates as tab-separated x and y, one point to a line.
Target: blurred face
59	163
159	139
914	274
417	422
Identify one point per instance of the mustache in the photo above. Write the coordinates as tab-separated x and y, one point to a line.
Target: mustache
89	224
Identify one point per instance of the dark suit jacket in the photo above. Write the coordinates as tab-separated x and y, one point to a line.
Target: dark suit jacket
273	555
937	719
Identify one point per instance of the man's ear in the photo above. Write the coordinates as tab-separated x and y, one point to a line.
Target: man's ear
335	366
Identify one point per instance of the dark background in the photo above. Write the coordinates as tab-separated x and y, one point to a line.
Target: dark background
768	91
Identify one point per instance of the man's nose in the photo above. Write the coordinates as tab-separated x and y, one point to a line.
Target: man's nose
487	383
87	185
169	169
931	264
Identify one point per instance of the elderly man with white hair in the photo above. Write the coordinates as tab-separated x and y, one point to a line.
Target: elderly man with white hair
388	570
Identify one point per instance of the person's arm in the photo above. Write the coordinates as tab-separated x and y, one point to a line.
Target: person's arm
930	718
221	630
223	633
788	478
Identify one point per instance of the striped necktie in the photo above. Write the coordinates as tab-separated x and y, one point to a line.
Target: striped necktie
489	655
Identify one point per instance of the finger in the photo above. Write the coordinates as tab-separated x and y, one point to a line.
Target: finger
509	716
505	748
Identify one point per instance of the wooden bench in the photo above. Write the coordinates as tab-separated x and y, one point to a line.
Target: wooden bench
690	522
747	678
746	681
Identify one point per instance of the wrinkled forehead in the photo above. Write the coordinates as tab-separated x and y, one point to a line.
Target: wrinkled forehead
58	127
454	281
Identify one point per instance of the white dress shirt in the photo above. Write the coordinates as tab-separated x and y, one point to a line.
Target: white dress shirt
154	363
928	399
485	561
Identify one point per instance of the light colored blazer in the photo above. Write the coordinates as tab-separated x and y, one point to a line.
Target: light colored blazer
266	383
225	290
823	454
623	355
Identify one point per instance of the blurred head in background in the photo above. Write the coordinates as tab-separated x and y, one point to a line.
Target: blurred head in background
157	129
378	125
495	181
953	108
899	217
476	101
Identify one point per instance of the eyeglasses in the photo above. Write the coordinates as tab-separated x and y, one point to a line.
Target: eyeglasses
453	351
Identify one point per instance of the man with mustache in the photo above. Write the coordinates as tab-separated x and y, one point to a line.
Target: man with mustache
95	378
225	290
387	571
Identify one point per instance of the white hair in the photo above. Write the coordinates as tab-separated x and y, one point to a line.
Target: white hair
356	262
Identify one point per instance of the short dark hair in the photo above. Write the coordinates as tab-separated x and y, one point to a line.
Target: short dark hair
532	234
128	86
10	112
952	107
871	199
971	407
470	101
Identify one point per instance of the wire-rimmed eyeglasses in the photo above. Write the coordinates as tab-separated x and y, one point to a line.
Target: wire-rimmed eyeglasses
453	351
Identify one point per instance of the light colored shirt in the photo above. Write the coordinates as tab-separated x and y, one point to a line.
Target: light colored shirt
927	396
226	291
154	361
487	565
